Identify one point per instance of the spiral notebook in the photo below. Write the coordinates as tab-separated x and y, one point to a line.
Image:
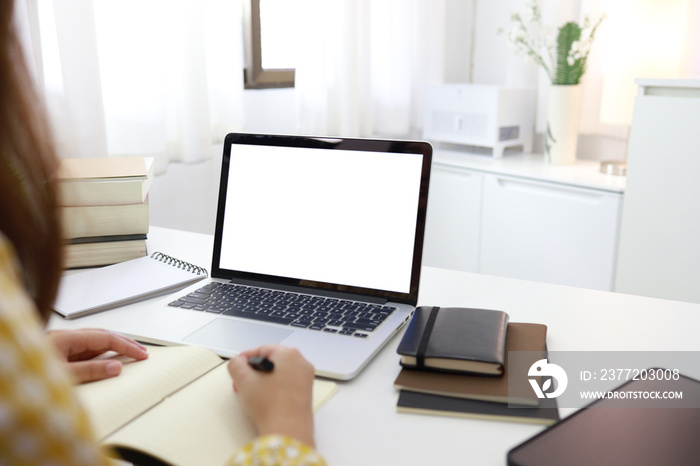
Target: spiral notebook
124	283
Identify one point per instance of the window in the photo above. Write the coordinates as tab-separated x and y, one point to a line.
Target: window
269	40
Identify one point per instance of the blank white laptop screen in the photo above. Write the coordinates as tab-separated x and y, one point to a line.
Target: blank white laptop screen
323	215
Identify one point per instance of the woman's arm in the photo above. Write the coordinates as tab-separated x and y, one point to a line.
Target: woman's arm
280	401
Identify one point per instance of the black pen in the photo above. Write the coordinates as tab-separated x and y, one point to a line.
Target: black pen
261	363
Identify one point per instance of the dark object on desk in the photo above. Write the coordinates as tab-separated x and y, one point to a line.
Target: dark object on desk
605	433
455	339
261	363
423	403
519	337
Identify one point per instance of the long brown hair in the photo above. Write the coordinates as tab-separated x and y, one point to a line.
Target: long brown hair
28	214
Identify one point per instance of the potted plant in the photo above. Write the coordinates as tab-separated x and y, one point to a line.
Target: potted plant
562	53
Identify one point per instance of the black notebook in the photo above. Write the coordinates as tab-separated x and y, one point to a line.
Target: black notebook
455	339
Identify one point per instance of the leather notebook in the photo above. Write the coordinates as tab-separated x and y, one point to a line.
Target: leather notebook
455	339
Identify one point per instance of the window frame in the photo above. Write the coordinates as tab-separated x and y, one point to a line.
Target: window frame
254	75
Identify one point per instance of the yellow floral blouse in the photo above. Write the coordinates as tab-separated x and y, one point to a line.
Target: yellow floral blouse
41	421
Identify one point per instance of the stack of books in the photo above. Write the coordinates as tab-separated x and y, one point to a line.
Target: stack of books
104	209
455	363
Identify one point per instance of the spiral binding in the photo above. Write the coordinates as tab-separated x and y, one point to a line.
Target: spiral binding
159	256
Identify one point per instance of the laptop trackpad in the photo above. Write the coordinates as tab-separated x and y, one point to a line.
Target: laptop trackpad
236	336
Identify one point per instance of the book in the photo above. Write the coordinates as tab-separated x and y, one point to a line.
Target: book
105	220
104	288
178	406
103	250
520	336
455	339
104	181
546	413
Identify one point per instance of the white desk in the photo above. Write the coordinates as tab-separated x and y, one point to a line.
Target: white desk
360	425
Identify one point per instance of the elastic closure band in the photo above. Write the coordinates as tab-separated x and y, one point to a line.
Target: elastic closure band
423	346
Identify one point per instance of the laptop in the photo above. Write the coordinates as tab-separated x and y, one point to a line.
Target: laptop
317	246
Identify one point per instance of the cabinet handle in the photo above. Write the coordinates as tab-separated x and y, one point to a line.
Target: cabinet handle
551	190
457	170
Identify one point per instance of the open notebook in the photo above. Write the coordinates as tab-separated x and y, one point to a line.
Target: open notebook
177	406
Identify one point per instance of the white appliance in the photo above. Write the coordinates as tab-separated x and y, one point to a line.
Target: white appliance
490	116
659	252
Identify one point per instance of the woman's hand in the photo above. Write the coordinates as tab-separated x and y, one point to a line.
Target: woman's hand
278	402
79	347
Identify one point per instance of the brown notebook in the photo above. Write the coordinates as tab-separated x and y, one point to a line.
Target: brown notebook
519	337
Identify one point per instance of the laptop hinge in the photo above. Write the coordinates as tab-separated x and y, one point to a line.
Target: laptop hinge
315	291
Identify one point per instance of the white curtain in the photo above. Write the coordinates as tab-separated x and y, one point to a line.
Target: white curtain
163	77
364	65
156	78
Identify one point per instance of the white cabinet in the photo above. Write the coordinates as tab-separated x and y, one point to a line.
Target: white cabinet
452	225
522	218
549	232
660	235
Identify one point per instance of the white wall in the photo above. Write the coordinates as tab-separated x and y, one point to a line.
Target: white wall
269	111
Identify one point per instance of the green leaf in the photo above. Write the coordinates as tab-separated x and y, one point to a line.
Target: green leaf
565	73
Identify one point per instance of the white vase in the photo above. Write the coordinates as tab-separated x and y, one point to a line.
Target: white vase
563	115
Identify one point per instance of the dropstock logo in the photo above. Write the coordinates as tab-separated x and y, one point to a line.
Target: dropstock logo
550	373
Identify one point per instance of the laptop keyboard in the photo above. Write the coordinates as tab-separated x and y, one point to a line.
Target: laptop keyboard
330	315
